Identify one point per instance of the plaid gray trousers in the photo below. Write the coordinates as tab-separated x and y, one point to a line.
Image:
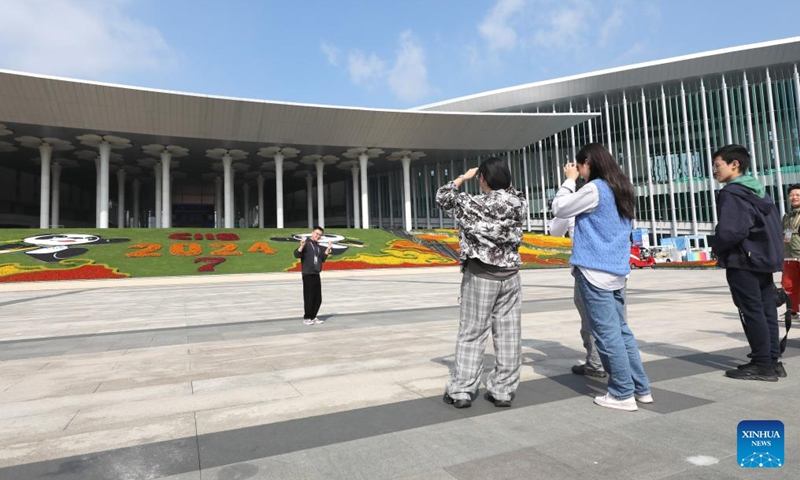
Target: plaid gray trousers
488	306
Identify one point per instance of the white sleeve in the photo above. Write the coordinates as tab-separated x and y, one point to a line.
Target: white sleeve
569	203
560	226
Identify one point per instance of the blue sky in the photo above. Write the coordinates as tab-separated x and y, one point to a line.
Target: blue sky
372	53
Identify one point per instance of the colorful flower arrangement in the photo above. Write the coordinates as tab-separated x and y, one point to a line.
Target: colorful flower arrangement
398	254
76	270
536	250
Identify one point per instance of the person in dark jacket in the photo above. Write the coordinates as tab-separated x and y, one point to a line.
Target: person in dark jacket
748	244
312	256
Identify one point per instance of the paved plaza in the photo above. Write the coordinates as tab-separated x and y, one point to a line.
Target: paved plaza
217	378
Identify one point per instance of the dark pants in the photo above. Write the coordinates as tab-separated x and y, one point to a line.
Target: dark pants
312	295
754	295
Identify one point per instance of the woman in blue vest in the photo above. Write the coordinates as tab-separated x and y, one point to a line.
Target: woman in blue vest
603	211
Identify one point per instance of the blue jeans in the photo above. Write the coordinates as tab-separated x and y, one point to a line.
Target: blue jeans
615	342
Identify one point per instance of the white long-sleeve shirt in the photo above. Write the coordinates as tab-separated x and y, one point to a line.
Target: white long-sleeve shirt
568	204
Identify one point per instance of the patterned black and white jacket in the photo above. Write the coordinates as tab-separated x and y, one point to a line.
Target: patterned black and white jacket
490	224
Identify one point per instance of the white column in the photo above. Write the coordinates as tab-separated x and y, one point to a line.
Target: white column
246	213
390	179
775	149
627	138
348	205
166	195
558	164
45	151
439	185
572	137
709	160
589	122
218	202
646	129
356	209
105	156
121	198
427	182
690	163
727	109
55	195
414	194
97	192
279	190
362	160
260	180
544	189
527	187
310	198
320	165
673	216
227	161
608	127
406	193
136	187
157	173
380	200
749	117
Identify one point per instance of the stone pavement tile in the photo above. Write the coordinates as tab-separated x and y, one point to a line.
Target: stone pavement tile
515	465
680	437
195	475
712	386
49	448
348	381
609	454
265	413
74	402
148	461
455	442
439	474
373	458
715	472
295	374
530	426
107	416
262	441
20	429
43	387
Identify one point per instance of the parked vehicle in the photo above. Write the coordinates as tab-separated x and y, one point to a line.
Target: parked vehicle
641	257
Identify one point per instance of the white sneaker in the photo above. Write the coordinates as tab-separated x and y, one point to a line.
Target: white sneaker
629	405
318	321
308	321
647	398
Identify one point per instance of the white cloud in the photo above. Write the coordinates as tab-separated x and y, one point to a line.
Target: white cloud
331	53
496	28
610	27
408	78
566	27
89	38
365	69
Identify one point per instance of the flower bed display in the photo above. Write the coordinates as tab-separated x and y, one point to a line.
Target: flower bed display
83	270
398	254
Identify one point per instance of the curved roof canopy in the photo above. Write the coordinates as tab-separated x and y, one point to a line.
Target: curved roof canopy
56	107
757	55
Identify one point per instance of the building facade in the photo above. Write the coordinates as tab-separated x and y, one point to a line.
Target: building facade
661	120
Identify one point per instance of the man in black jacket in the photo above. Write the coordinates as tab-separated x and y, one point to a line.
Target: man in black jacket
312	256
748	244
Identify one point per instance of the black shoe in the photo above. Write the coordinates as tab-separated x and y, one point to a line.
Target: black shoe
779	370
498	403
753	372
456	403
582	370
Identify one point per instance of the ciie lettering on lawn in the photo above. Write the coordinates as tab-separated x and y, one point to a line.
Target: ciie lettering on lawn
761	438
222	246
